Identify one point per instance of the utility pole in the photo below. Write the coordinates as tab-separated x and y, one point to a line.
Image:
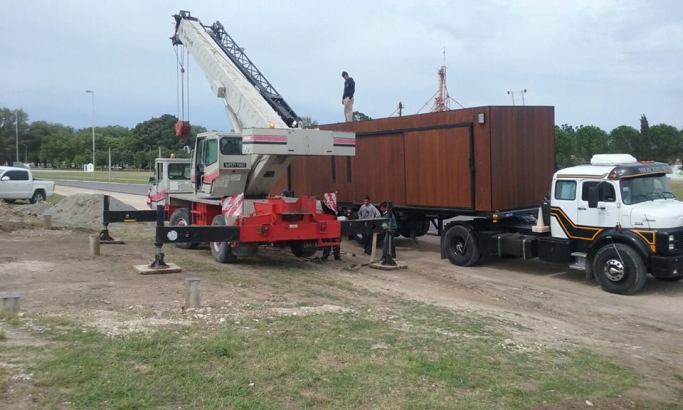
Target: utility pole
92	94
16	117
109	164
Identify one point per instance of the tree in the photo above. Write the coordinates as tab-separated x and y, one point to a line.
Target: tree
665	142
359	116
564	146
8	121
308	123
624	140
590	140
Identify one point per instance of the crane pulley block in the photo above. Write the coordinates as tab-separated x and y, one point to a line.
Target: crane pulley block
182	129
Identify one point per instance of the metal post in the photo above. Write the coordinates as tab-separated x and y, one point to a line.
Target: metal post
159	262
110	164
523	92
387	259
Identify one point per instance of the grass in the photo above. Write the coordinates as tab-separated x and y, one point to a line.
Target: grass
130	177
3	336
677	188
419	357
55	198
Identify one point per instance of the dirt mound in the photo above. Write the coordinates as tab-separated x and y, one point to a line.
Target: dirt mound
11	219
83	210
77	211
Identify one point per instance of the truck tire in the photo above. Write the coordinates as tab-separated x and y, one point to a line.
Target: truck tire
460	246
221	251
420	226
619	269
181	217
303	249
38	196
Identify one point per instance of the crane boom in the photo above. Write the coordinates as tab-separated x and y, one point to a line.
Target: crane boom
266	125
224	68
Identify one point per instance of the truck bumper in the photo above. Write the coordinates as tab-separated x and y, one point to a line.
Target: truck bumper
666	266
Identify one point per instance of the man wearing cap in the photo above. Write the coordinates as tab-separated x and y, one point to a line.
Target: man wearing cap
347	98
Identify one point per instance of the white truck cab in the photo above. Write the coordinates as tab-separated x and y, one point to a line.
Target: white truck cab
171	176
617	216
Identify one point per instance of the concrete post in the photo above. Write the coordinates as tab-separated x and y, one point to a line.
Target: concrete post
47	221
374	247
192	294
94	245
9	302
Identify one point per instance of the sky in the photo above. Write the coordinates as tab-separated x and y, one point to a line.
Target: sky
599	62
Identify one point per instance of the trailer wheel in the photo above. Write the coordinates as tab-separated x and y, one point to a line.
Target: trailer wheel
181	217
460	246
619	269
303	249
221	251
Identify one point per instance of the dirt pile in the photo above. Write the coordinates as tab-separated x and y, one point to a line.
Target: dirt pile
11	219
77	211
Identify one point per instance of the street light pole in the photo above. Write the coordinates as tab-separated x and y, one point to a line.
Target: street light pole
16	121
92	93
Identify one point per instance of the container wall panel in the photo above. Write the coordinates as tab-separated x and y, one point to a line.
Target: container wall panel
437	168
523	155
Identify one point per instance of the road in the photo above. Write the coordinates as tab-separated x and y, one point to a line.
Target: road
135	189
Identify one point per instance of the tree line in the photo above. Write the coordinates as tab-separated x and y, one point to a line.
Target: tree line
55	145
576	145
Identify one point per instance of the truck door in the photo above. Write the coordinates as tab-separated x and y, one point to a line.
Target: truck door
605	215
563	212
19	186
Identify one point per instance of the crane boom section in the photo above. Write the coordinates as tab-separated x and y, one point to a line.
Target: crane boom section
242	100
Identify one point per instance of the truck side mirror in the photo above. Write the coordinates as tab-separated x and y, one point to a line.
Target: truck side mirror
593	196
5	178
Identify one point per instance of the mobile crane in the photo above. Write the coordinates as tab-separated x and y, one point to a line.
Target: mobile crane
233	173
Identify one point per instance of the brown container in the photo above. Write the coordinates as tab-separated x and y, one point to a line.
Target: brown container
481	159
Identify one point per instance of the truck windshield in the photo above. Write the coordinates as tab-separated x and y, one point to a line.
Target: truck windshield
179	171
647	188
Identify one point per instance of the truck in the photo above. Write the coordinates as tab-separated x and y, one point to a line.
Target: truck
233	173
484	178
171	175
18	183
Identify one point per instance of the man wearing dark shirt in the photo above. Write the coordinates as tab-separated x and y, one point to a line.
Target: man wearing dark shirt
347	98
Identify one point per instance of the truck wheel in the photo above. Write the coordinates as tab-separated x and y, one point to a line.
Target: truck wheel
221	251
460	246
619	269
181	217
303	249
38	196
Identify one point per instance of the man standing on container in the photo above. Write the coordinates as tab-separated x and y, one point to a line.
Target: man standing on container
368	211
347	98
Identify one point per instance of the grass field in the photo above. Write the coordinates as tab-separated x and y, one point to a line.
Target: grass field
677	188
129	177
421	356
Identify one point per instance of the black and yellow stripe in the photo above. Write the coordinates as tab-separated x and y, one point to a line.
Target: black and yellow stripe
573	231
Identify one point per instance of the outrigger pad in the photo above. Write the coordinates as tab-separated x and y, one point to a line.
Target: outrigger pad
397	266
147	270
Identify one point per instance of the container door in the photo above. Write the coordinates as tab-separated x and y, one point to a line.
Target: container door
437	168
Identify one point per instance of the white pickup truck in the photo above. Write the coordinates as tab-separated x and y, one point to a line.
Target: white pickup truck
18	183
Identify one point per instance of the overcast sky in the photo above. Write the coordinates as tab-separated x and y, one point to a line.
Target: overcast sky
601	62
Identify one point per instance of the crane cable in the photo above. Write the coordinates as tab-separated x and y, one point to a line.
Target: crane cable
182	86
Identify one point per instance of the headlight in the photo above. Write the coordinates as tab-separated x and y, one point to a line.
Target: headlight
671	243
